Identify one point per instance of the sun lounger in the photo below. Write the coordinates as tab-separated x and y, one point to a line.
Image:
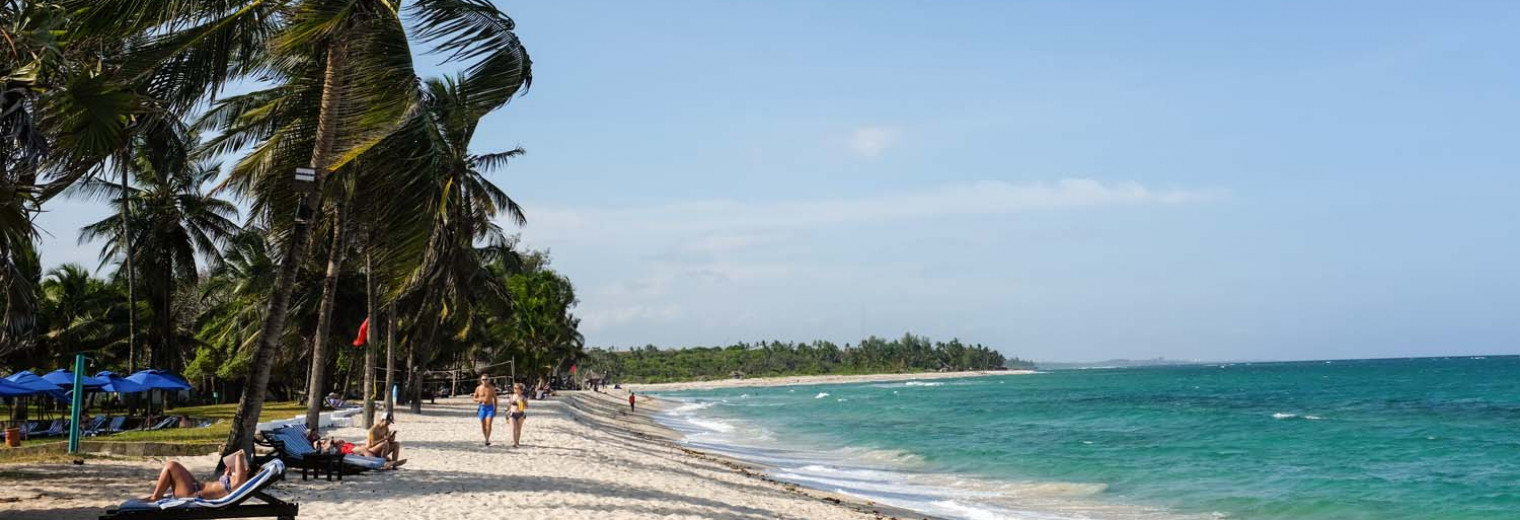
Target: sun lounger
55	429
292	447
163	423
93	427
230	506
115	425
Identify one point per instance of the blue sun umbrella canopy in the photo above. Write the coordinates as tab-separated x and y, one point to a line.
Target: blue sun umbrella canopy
159	380
9	389
36	384
65	379
118	384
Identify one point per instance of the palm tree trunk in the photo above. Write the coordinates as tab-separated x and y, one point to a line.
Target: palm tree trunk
245	420
390	360
126	206
348	378
166	346
318	380
413	390
369	338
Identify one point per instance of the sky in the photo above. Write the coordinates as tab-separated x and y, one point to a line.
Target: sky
1062	181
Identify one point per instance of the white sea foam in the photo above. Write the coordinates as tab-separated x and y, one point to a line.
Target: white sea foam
692	407
1313	417
712	424
923	383
1281	415
895	477
968	512
892	456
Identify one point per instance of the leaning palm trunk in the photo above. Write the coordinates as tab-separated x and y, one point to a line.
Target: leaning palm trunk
390	361
126	207
246	419
369	336
318	379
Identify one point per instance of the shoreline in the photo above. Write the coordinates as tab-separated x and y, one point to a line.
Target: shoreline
644	424
815	380
583	455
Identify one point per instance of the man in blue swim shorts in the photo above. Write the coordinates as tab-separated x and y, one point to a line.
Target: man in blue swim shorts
485	397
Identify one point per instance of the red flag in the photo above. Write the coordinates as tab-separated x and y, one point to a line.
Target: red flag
572	369
363	333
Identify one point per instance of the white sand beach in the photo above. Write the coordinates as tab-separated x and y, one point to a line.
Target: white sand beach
583	456
817	380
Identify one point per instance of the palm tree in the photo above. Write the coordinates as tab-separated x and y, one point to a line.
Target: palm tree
454	282
233	292
173	222
343	81
79	313
49	100
18	270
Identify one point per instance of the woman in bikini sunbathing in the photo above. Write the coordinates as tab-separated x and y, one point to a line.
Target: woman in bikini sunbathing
176	481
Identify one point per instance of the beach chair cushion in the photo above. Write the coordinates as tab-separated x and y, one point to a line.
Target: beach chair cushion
293	439
93	426
364	462
267	473
116	424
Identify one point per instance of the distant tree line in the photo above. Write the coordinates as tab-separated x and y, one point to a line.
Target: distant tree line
873	355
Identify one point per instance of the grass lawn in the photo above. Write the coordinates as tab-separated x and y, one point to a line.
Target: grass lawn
221	413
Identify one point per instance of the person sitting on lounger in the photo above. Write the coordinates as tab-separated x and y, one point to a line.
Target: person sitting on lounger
382	441
178	482
389	450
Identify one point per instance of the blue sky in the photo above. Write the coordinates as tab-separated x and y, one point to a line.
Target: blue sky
1060	180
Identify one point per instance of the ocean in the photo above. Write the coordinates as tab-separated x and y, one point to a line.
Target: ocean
1429	439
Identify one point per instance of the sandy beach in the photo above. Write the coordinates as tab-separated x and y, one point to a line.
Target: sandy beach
816	380
583	456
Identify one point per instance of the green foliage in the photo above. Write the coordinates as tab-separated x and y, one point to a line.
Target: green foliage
775	358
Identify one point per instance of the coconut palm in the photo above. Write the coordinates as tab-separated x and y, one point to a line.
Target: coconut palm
233	293
79	313
342	80
453	286
542	327
174	221
53	97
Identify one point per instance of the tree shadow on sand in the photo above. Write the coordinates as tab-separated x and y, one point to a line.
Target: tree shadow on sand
644	500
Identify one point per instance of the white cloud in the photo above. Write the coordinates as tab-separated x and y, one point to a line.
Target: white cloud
724	226
871	141
687	269
596	319
724	242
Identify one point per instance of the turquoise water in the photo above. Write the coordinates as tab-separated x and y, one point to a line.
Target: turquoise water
1428	439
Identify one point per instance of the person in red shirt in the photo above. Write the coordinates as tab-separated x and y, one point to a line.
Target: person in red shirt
630	401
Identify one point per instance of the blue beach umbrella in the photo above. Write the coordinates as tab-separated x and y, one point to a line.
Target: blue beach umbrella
9	389
37	384
159	380
155	379
117	384
65	379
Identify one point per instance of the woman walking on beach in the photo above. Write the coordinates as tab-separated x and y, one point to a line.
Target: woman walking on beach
518	405
485	396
